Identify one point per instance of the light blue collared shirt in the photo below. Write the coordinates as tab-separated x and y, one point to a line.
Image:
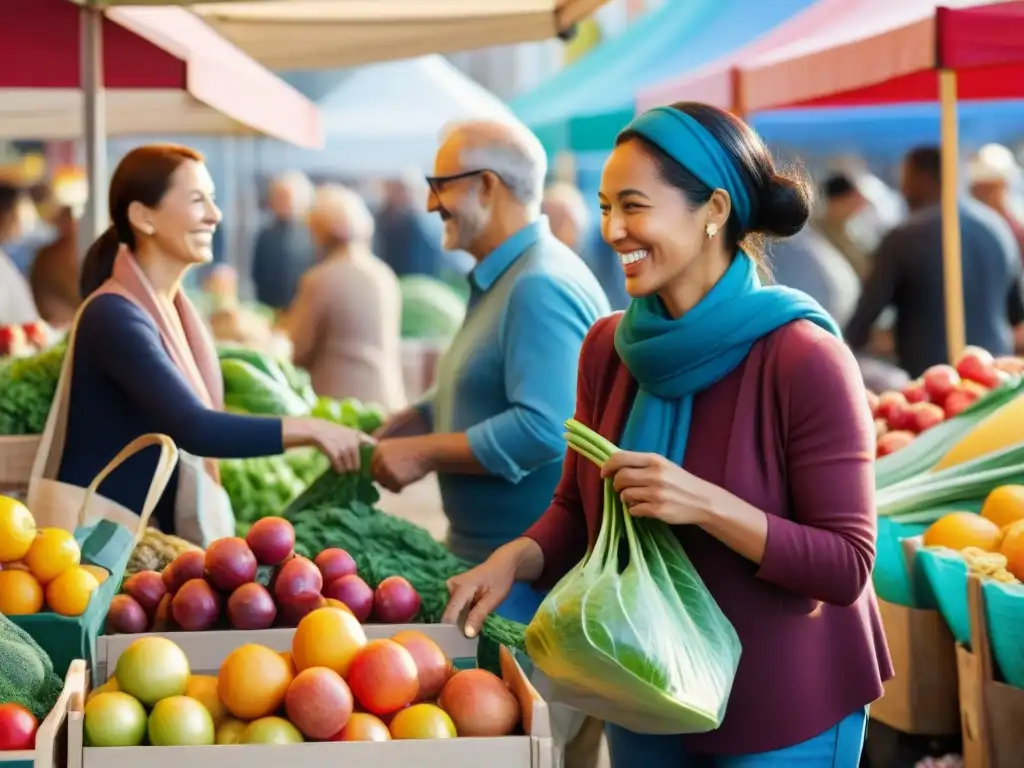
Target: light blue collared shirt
509	382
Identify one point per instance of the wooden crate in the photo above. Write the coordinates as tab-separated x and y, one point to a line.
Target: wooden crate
206	651
992	712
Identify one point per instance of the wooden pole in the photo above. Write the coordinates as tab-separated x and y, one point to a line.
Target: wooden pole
952	267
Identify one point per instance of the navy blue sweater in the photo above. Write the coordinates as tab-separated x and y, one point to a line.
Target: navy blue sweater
125	385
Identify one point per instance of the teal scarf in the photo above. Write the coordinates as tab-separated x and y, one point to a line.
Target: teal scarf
674	359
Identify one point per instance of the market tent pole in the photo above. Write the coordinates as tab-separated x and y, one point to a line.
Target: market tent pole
952	265
94	123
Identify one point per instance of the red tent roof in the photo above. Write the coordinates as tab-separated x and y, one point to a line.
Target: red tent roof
888	53
148	53
861	52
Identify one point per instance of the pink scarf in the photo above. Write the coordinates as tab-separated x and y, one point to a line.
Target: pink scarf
194	354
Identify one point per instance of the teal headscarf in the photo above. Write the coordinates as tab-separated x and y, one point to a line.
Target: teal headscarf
674	359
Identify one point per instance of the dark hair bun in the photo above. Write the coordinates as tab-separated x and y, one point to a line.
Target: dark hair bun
785	207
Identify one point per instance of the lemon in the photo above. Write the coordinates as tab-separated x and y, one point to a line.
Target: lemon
101	573
20	593
53	551
17	529
69	593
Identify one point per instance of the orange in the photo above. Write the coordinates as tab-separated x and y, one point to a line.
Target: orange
327	637
253	681
287	656
69	593
1012	549
17	529
332	603
203	688
963	529
53	551
1004	505
101	573
20	593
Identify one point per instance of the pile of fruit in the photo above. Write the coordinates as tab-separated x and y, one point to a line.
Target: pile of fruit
41	569
254	583
25	340
333	685
991	543
942	392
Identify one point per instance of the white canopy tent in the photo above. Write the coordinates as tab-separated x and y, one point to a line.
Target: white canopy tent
386	119
325	34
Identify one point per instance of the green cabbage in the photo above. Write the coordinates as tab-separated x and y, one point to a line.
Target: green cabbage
631	635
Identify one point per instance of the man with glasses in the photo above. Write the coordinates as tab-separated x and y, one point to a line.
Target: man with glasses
492	426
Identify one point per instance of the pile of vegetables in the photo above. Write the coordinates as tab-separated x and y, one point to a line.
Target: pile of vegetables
632	633
27	386
431	309
254	383
27	676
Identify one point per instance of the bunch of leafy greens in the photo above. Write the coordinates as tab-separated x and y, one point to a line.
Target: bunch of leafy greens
631	635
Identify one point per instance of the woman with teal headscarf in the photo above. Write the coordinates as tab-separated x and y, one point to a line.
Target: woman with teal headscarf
744	425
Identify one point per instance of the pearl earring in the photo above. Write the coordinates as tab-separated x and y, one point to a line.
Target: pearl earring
711	229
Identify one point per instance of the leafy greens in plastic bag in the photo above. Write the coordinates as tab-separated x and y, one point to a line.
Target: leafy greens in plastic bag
631	635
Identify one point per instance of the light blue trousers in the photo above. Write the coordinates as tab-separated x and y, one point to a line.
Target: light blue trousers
838	747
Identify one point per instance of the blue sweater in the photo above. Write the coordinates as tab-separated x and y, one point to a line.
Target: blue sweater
509	382
125	385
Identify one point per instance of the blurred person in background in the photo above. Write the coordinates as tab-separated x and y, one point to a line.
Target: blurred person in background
492	427
54	272
907	275
345	321
992	174
284	250
567	214
407	238
570	222
808	262
17	306
842	202
144	360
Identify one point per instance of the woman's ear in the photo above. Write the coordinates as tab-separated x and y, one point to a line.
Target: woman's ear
139	218
718	208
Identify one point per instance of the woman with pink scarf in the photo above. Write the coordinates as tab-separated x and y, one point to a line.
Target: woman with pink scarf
143	361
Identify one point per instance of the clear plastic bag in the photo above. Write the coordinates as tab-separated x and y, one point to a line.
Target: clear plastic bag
631	635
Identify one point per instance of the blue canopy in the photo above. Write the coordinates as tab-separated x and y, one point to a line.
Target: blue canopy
585	105
886	132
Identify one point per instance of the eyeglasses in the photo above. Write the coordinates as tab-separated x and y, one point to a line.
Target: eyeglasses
437	183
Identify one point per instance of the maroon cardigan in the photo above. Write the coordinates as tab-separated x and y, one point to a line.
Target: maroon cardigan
788	431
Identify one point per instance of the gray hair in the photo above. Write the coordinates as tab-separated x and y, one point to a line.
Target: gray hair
565	196
343	213
299	188
510	150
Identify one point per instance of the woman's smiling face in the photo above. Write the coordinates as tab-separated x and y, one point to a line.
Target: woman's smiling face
648	222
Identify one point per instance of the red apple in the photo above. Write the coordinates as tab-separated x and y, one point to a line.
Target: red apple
915	392
978	365
17	728
926	416
887	401
901	417
939	381
958	401
880	428
894	441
